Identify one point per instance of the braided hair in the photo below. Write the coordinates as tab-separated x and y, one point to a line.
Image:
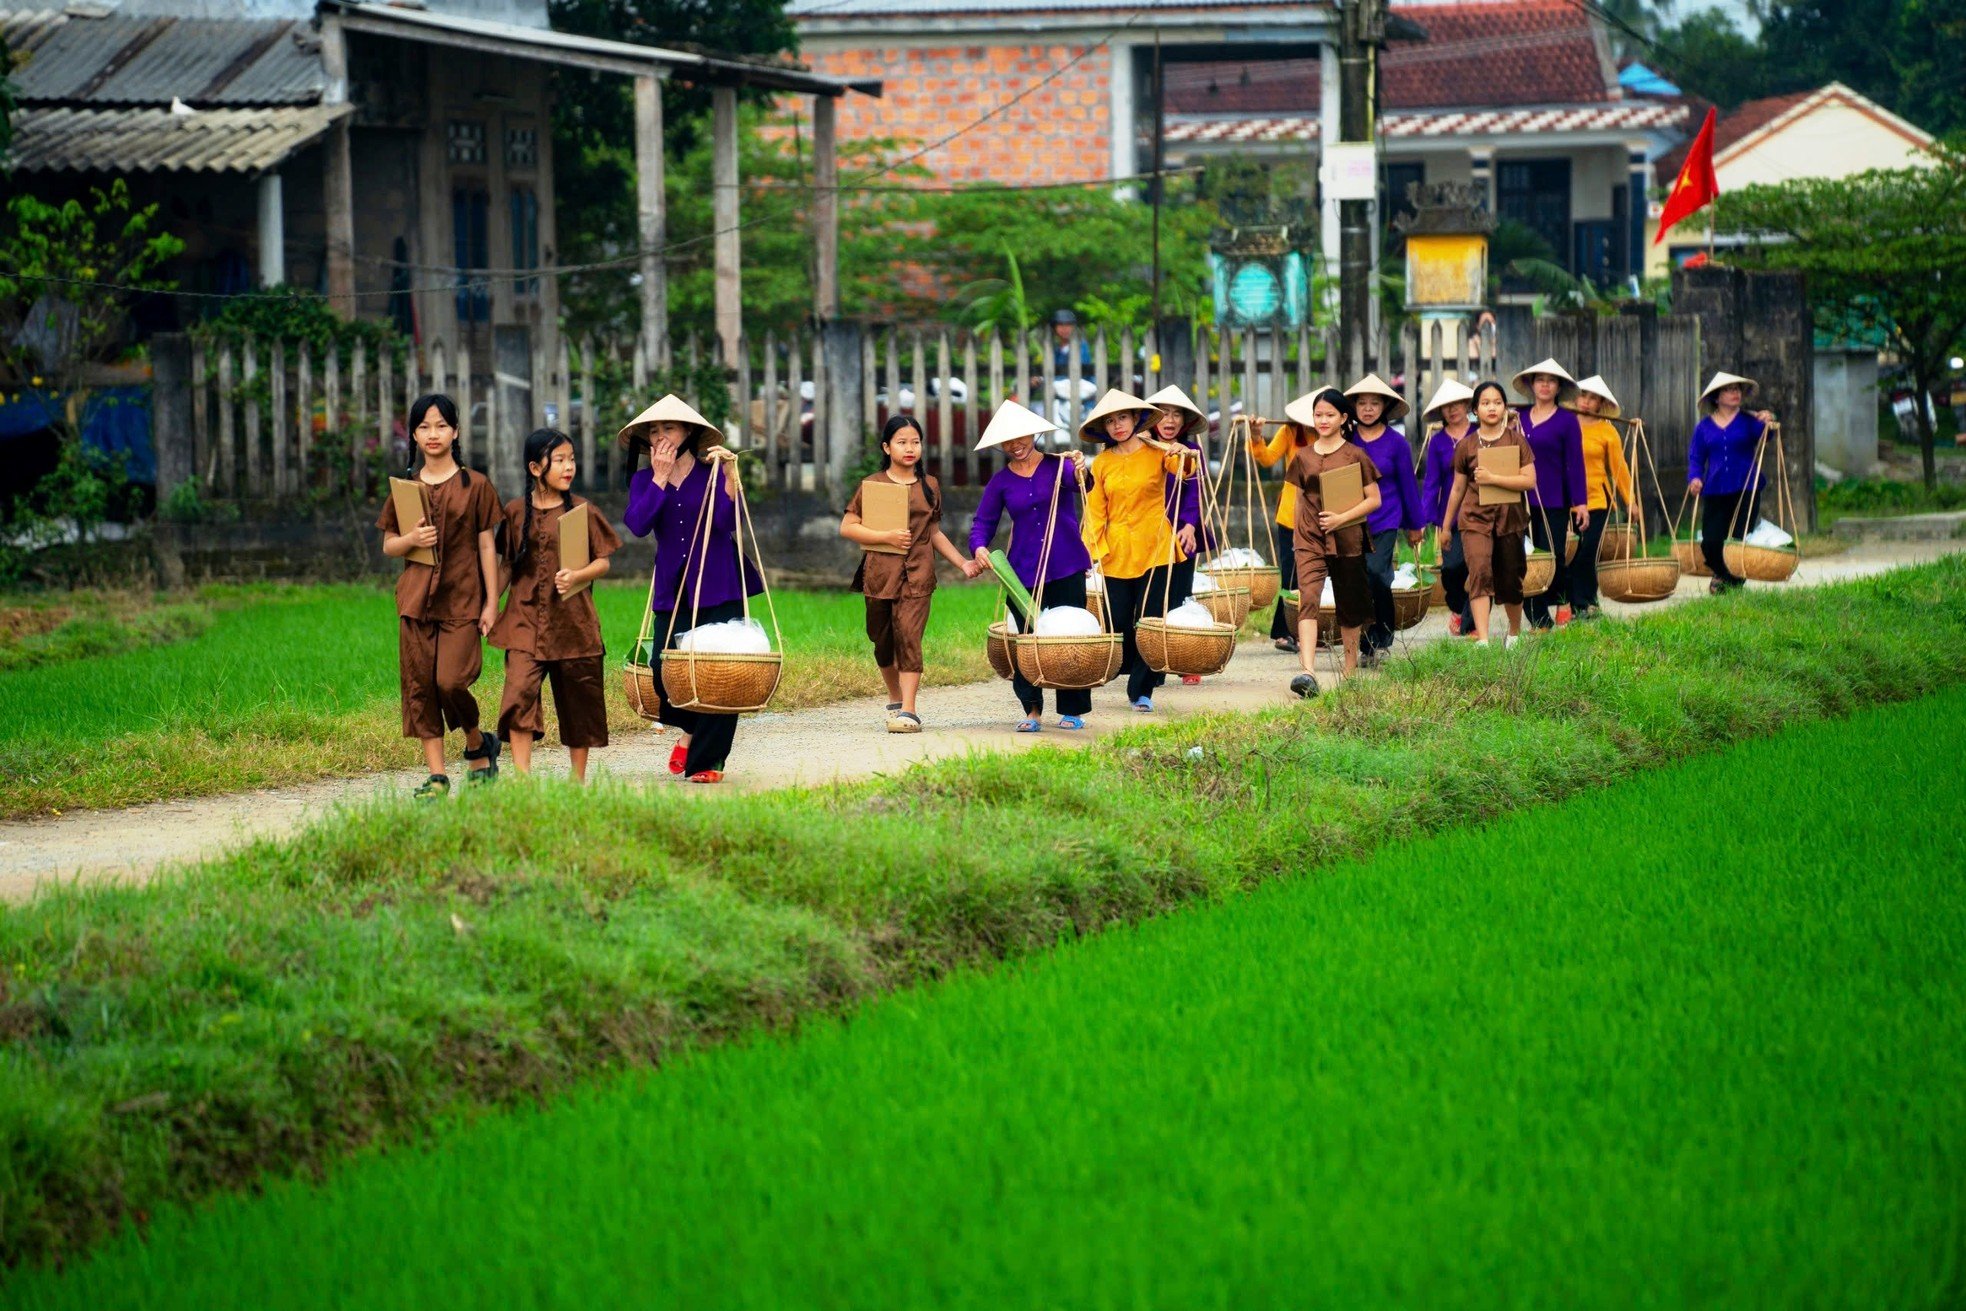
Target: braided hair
894	425
540	445
447	411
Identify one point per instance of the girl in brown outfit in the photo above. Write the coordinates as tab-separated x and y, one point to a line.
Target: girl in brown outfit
1491	535
1329	545
549	629
443	609
899	587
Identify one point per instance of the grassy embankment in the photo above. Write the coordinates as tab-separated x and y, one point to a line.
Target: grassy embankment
390	969
273	685
1697	1038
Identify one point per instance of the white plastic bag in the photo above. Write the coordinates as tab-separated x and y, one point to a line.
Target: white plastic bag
1406	576
1236	557
731	637
1327	599
1095	582
1067	621
1203	583
1191	614
1767	533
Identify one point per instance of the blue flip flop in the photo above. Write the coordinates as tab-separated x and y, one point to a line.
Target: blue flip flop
1030	726
1071	722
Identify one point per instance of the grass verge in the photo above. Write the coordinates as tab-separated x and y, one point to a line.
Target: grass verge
296	683
36	631
1715	1062
391	968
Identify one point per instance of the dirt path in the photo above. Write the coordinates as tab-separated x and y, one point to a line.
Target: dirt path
824	744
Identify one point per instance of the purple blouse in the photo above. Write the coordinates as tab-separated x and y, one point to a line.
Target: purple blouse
671	514
1399	493
1438	483
1723	458
1189	511
1556	446
1029	502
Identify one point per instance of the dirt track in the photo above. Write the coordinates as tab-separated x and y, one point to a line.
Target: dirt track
823	744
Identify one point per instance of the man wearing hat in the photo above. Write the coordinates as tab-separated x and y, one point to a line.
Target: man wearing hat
1720	470
1560	500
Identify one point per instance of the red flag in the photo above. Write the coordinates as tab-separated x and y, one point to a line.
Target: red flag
1696	187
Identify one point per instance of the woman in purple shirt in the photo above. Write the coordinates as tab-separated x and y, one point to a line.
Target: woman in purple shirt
696	582
1560	499
1719	467
1035	491
1448	411
1374	406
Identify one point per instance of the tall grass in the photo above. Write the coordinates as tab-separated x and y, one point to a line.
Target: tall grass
289	684
383	972
1698	1038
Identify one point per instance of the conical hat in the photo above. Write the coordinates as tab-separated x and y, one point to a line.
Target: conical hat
1566	386
1449	392
1370	385
1725	379
1113	402
670	409
1010	422
1598	387
1173	398
1299	410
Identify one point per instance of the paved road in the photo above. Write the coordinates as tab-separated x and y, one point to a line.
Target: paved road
819	745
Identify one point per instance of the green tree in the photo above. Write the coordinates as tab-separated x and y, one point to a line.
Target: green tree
1908	55
1708	56
1886	248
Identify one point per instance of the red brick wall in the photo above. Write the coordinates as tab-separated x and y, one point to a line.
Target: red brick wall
1059	133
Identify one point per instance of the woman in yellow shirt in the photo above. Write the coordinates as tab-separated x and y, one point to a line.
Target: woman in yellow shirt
1604	467
1277	450
1127	529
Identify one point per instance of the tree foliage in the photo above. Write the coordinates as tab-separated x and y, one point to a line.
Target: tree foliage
1885	248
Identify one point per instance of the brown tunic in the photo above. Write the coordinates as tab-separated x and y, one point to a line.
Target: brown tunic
1490	520
537	619
889	577
1305	466
453	589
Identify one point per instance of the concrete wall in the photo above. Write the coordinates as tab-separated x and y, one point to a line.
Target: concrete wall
1846	411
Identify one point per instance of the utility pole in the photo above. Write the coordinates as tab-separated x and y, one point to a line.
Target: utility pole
1361	32
1159	185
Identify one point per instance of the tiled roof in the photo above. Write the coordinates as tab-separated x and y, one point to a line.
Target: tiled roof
149	61
1730	128
878	9
1480	52
159	141
1620	117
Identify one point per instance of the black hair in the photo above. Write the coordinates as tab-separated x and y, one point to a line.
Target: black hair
1474	401
447	411
895	423
540	445
1339	402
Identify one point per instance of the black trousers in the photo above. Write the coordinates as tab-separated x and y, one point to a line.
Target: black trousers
1583	572
1454	582
1131	600
1550	528
1184	582
1378	634
710	735
1718	516
1286	558
1069	590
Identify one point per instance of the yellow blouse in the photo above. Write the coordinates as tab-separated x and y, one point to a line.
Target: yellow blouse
1279	448
1126	528
1604	463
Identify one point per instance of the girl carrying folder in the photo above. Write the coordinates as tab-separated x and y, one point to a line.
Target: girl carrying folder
1330	535
549	631
1491	533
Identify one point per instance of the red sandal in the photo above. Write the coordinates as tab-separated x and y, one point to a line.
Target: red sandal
677	755
707	776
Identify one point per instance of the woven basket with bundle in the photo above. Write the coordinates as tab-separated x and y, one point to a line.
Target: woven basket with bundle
1624	572
1638	580
997	647
1185	651
1262	581
1761	564
1764	564
1541	572
638	684
1691	560
1618	543
1288	602
1229	605
1066	662
1096	602
1410	606
1327	627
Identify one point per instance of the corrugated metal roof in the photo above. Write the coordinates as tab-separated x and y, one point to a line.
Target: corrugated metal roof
158	141
150	61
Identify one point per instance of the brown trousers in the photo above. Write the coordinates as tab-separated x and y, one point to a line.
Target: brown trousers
1351	592
1495	565
579	698
438	662
896	628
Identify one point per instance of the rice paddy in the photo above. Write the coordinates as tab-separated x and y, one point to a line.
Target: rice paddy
1695	1039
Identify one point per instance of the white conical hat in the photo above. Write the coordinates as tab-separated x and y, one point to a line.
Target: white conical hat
1566	386
1371	385
1093	429
670	409
1010	422
1299	410
1598	387
1450	391
1725	379
1173	398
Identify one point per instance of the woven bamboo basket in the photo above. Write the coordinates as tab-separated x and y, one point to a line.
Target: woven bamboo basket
1327	627
1569	548
1184	651
638	683
1288	600
721	683
1410	605
1096	602
1619	543
1067	662
1229	605
996	645
1262	581
1692	561
1763	564
1536	579
1436	595
1637	580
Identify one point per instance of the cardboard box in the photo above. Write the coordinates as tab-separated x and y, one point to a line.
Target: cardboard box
573	546
1341	488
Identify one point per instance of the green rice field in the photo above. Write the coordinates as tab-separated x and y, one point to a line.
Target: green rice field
1695	1039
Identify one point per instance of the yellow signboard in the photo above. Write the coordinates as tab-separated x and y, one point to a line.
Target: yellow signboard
1446	271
